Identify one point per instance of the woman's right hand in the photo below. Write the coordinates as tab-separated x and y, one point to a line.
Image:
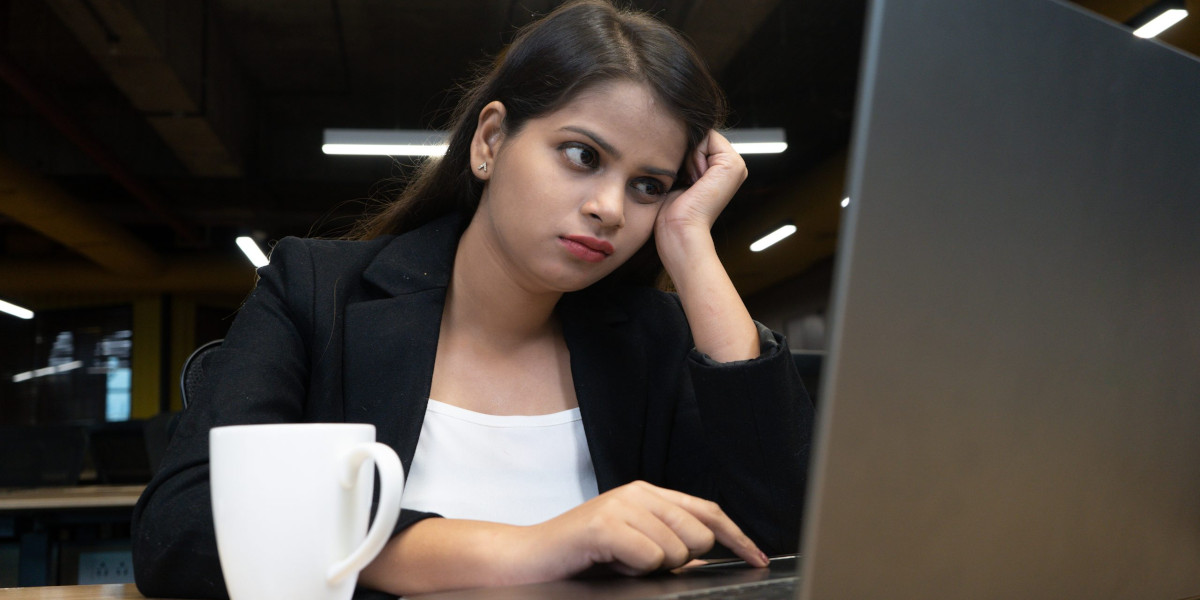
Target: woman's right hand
635	529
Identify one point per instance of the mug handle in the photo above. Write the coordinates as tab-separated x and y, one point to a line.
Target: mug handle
391	486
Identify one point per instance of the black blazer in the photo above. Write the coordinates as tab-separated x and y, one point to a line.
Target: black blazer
341	331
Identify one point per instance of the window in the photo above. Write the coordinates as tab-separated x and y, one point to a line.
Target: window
68	366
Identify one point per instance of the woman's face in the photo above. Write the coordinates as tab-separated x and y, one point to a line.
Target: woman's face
574	194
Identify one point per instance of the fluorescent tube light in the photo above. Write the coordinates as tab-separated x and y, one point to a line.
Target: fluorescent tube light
384	142
16	311
416	142
1161	23
757	141
252	251
71	366
772	238
760	147
44	371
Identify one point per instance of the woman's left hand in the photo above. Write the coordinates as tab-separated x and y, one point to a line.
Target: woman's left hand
717	171
720	324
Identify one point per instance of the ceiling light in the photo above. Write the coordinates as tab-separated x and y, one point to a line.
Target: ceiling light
1157	18
757	141
385	142
252	251
44	371
1161	23
16	311
419	142
772	238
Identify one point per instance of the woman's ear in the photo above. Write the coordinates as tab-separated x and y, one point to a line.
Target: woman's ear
489	133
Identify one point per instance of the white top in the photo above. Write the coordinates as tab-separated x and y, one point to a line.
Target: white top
519	470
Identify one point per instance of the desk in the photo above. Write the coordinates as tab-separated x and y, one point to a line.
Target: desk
70	498
32	514
113	591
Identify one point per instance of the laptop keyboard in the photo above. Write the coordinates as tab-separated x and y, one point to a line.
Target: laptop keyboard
783	588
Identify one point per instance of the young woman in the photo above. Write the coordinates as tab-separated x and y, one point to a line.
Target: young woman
552	412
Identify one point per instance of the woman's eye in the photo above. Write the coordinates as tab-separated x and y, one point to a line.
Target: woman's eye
581	155
648	187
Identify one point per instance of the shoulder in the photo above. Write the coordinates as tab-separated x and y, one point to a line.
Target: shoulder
390	264
327	255
303	273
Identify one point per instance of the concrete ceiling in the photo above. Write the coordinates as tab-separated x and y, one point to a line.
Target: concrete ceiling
175	126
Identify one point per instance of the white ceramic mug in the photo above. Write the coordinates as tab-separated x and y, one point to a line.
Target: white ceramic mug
291	504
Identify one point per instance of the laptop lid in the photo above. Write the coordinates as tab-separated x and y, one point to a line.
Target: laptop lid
1011	404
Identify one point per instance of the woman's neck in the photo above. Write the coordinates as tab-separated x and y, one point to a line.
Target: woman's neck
486	300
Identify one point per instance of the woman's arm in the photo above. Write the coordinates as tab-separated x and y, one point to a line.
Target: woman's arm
635	529
720	324
258	375
751	424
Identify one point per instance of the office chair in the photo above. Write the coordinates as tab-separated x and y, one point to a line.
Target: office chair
193	370
159	429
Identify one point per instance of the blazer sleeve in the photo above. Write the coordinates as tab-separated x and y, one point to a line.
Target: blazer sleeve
753	420
260	374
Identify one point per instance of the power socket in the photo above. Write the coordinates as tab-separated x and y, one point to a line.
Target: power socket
114	566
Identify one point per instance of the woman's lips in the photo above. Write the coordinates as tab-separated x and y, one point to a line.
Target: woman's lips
587	248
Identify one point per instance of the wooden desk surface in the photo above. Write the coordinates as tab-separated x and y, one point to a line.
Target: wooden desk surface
70	497
113	591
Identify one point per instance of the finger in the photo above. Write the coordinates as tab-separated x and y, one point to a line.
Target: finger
719	144
697	537
721	151
633	552
699	158
695	562
727	532
676	543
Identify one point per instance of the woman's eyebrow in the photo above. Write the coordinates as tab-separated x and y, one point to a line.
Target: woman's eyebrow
613	151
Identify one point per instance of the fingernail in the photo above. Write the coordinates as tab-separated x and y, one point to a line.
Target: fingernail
764	558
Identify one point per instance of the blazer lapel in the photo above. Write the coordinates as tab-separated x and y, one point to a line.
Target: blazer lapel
389	353
391	341
604	366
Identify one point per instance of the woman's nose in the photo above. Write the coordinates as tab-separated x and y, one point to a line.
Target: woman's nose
607	205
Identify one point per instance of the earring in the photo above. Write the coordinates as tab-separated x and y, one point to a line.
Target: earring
482	167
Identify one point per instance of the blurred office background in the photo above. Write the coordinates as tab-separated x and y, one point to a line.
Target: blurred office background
140	138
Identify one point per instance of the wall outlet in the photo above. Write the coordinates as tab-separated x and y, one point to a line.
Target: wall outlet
105	567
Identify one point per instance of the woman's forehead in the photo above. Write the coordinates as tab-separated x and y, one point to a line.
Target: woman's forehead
626	111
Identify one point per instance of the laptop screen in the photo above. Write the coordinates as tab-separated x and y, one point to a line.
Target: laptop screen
1011	402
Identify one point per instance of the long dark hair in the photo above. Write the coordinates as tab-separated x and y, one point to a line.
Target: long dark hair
578	45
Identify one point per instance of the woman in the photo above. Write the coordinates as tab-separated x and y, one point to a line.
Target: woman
501	287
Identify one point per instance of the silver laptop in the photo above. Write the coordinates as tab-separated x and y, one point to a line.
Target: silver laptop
1012	398
1011	403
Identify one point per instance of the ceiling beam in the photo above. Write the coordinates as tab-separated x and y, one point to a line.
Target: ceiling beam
173	69
42	206
34	279
719	28
100	154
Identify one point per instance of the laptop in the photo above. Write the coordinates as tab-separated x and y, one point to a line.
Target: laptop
1010	407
